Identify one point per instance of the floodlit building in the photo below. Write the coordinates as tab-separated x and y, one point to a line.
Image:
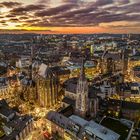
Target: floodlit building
4	86
126	109
47	86
77	128
23	62
114	62
81	107
81	95
135	72
29	90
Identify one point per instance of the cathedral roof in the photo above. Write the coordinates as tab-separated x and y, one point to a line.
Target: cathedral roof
71	86
42	70
93	91
69	101
28	82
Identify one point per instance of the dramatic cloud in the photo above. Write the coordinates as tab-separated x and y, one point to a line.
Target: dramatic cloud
28	8
56	10
10	4
70	13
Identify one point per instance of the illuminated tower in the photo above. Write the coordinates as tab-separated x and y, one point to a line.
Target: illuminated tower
124	61
82	94
92	50
102	61
28	84
110	65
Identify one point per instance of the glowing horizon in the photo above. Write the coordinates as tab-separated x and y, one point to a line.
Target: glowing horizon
70	16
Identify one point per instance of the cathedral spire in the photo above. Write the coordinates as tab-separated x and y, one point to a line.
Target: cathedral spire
82	93
82	73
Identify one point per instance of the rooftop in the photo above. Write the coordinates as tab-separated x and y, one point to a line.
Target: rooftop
17	123
79	127
124	104
101	131
69	101
136	68
78	120
114	56
119	126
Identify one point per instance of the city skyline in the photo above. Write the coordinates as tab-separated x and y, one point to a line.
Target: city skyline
70	16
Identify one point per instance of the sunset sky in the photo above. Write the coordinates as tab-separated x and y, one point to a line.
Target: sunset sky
70	16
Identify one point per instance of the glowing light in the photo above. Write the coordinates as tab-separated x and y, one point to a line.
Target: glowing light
3	10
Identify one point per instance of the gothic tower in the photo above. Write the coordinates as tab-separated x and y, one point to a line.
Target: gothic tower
124	61
82	94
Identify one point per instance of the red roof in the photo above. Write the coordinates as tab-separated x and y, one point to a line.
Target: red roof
47	134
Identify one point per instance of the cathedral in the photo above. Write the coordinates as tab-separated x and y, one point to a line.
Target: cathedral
48	86
80	95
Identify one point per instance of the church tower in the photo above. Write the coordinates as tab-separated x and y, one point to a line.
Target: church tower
82	93
124	61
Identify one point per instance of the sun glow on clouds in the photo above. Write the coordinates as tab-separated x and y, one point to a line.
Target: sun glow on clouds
119	23
55	2
3	10
70	16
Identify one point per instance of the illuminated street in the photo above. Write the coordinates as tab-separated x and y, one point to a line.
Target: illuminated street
70	70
